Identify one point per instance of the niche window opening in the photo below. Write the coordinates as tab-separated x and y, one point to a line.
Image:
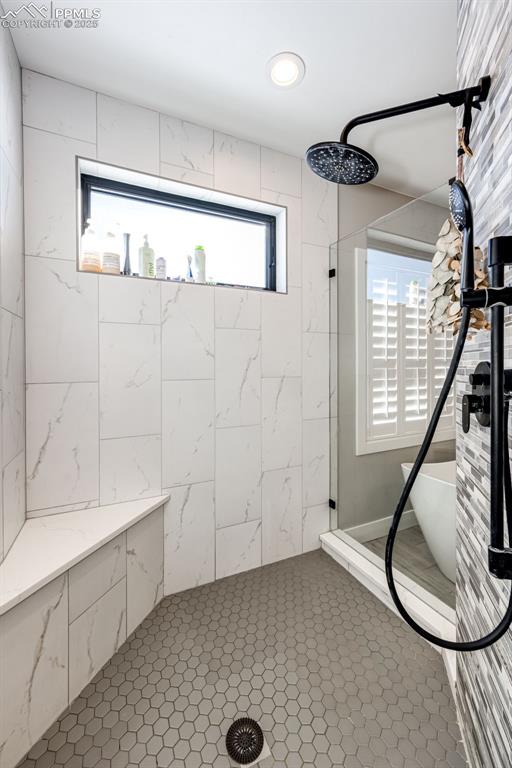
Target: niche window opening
240	244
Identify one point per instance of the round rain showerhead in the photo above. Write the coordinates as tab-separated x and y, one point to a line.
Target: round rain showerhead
341	163
460	205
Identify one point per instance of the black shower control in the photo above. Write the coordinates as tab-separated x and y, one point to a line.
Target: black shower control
479	400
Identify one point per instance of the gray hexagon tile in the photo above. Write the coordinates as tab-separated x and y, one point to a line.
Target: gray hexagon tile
332	676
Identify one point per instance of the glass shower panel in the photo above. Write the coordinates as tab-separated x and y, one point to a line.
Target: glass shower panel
333	384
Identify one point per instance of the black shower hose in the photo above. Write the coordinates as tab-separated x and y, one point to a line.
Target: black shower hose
502	627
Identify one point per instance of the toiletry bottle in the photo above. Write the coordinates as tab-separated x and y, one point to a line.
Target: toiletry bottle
111	256
189	276
161	268
127	269
90	257
199	264
146	259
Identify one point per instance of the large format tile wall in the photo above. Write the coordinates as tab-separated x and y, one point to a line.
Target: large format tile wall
485	678
215	395
12	335
54	642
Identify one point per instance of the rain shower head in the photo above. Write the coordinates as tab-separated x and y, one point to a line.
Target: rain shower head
341	163
344	163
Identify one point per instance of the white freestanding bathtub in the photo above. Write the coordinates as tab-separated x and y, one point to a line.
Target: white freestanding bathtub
433	501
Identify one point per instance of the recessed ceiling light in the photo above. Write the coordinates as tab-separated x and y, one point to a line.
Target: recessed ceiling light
286	69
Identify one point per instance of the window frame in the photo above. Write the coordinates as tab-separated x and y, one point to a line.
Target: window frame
364	443
91	183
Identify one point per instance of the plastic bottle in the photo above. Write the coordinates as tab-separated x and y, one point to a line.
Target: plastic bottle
199	264
146	259
90	257
161	268
111	256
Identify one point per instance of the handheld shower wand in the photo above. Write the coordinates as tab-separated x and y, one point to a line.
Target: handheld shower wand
345	163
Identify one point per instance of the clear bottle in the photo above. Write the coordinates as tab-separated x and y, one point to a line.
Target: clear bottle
90	253
146	259
161	268
111	255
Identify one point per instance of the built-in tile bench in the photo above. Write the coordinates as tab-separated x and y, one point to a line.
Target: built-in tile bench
72	588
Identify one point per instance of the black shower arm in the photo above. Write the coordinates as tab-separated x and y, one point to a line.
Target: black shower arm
474	95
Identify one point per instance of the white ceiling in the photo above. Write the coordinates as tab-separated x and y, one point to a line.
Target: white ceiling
205	61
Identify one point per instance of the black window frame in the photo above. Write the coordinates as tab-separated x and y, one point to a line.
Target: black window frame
90	183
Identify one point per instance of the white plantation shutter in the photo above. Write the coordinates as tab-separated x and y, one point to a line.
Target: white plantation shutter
383	357
405	366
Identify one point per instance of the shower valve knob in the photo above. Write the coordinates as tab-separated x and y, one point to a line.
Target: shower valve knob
471	404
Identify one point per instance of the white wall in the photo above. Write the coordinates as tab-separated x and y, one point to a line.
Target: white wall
219	396
12	345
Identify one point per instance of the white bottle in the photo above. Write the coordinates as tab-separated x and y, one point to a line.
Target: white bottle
146	259
90	256
199	264
161	268
111	256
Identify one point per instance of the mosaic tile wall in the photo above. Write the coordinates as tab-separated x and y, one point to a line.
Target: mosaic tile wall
484	678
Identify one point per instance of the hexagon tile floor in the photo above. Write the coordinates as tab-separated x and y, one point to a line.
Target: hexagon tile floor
331	675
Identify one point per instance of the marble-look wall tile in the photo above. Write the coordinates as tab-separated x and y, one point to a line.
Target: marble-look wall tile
281	516
186	175
59	107
315	373
95	636
280	172
315	521
187	332
282	422
237	309
319	209
129	301
237	475
189	544
187	432
12	385
62	444
237	165
14	501
130	468
130	380
61	322
315	462
186	145
33	669
293	232
144	567
49	190
315	288
128	135
10	101
237	378
11	237
281	334
238	548
97	574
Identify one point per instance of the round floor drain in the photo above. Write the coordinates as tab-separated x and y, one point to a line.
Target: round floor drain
244	741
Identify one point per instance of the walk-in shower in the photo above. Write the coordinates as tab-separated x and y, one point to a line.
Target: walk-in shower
343	163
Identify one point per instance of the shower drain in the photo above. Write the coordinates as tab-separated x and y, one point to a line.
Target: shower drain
244	741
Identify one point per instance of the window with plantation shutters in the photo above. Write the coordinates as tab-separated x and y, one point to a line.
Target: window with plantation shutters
401	367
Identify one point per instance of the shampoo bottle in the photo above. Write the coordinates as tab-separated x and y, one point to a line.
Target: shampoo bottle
199	264
146	259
